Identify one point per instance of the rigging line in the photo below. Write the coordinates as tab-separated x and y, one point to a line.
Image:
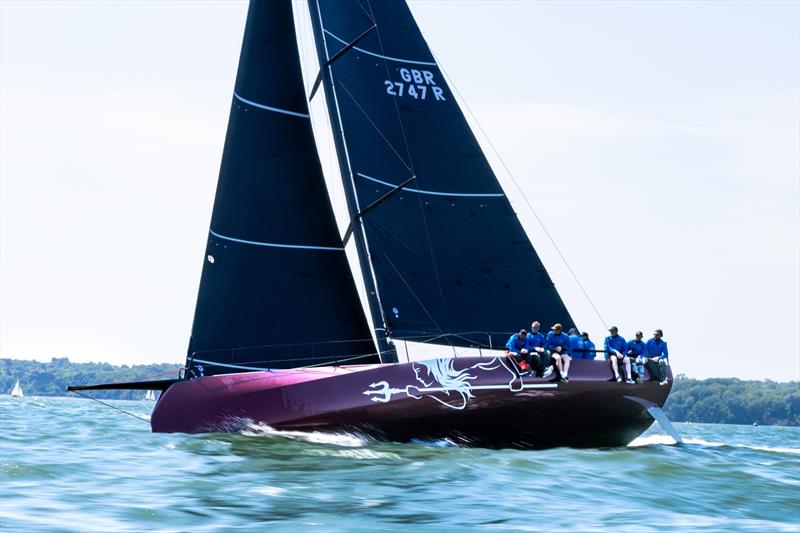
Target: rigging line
344	360
426	340
389	144
371	19
413	171
524	196
430	316
480	344
279	345
286	371
410	251
306	357
111	406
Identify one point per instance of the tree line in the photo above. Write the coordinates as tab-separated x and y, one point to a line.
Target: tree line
51	379
734	401
716	400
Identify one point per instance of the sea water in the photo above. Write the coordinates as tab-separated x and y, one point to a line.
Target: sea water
71	464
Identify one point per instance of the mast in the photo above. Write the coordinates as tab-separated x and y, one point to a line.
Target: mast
276	290
387	350
445	259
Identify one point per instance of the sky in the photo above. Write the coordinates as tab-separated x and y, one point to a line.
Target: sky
671	130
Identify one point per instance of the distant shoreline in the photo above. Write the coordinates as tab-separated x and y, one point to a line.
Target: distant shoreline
712	400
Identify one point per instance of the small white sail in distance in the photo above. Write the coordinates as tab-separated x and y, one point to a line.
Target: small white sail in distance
150	396
16	392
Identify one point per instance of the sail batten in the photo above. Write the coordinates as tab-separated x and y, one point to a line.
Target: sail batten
434	193
270	108
278	245
447	256
381	56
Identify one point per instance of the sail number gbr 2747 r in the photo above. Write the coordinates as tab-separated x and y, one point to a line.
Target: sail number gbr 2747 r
418	84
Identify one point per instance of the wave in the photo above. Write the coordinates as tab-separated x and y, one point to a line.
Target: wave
650	440
771	449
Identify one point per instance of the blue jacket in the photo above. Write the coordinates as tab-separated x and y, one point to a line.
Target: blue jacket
574	342
553	341
515	344
657	348
639	348
535	340
588	347
615	343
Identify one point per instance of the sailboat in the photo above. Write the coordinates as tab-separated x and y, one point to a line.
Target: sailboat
280	336
16	392
150	396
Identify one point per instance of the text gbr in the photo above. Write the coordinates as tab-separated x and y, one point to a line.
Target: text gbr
417	83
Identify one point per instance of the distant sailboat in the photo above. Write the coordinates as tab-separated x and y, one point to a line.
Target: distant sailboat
150	396
16	392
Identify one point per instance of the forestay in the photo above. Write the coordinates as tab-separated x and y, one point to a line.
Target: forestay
276	290
446	259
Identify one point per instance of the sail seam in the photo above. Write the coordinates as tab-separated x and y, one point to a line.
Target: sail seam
434	193
389	58
270	108
276	245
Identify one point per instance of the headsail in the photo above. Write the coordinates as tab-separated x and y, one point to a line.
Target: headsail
446	258
276	289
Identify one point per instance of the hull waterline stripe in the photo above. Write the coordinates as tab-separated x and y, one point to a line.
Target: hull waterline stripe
389	58
433	193
275	245
268	108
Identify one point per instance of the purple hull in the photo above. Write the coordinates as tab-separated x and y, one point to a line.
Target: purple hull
477	401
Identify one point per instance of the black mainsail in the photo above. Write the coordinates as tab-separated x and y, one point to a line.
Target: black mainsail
445	259
276	289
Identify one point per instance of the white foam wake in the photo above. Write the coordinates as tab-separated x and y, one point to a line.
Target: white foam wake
770	449
669	441
652	439
314	437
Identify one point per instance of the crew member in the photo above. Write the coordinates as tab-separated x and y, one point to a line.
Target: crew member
517	349
587	346
615	347
539	358
635	350
557	344
657	358
575	343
